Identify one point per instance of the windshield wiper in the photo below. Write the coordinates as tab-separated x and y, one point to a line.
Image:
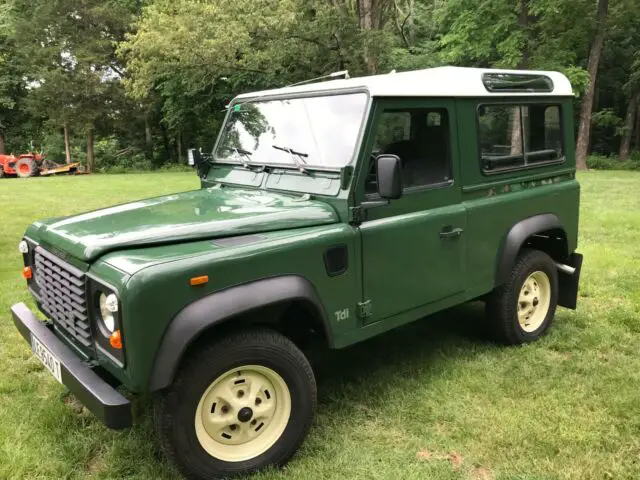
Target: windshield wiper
244	157
299	161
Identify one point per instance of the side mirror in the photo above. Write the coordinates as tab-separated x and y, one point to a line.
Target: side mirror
389	170
194	157
196	160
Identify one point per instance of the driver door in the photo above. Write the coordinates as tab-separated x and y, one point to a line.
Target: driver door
413	249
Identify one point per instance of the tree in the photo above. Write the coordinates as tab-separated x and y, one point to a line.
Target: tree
372	16
542	34
76	71
12	86
151	77
629	123
586	108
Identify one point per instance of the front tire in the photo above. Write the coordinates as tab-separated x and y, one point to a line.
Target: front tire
521	310
238	405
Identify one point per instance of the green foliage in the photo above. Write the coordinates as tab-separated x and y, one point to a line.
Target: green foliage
601	162
607	118
156	74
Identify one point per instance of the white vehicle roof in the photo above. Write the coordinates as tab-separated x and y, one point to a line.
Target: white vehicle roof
430	82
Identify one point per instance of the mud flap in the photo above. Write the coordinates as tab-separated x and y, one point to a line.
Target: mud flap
568	284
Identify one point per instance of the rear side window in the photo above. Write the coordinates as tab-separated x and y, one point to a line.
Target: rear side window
519	136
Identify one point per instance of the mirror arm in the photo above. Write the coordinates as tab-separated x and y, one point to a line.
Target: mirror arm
357	215
374	203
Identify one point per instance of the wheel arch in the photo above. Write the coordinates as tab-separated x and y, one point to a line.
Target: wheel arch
543	232
193	322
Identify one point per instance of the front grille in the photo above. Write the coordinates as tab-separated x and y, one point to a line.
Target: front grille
62	289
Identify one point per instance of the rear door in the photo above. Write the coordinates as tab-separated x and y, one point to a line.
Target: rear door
413	249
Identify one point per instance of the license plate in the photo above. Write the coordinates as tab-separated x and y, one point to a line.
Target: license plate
46	357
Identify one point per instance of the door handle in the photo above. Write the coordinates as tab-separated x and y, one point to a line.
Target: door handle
450	232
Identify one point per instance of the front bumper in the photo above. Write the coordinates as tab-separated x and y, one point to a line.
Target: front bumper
104	401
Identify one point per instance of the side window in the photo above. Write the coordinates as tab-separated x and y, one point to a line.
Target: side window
393	127
519	136
420	137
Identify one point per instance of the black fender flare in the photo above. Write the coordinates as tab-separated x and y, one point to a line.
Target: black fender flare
516	237
216	308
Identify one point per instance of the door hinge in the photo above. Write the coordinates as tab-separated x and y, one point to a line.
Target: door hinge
356	215
364	309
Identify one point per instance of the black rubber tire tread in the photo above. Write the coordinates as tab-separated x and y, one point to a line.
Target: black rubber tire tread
33	165
174	408
501	306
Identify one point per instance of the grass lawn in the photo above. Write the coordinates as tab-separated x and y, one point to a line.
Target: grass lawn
432	400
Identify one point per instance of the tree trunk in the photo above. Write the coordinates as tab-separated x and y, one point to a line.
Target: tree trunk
637	129
179	146
516	132
629	123
148	139
1	143
67	147
90	159
523	22
584	132
165	142
517	143
368	21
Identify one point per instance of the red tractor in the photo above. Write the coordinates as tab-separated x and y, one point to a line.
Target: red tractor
25	165
32	164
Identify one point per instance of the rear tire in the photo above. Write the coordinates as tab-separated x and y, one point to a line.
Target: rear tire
522	309
238	405
26	167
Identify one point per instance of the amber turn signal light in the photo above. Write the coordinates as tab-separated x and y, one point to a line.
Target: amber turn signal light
27	273
115	340
198	280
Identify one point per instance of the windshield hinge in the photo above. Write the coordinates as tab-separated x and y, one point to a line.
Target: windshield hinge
356	215
364	309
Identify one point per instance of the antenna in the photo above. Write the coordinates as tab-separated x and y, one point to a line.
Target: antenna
342	73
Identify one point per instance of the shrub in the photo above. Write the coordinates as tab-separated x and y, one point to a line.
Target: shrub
601	162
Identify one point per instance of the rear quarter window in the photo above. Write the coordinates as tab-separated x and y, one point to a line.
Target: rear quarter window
513	137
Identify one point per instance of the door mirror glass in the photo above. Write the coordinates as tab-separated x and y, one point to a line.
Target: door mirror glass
389	176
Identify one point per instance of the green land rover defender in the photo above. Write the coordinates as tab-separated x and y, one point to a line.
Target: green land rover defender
331	211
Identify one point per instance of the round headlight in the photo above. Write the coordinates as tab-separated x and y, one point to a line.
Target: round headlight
108	306
23	246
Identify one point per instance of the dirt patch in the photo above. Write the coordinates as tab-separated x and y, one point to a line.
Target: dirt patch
71	401
424	454
456	459
481	473
95	464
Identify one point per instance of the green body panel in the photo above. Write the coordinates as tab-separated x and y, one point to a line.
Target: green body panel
161	290
281	222
187	216
496	202
403	254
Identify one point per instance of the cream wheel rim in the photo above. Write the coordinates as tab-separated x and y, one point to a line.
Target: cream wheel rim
533	301
243	413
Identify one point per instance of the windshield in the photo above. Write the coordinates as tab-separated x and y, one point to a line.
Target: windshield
313	131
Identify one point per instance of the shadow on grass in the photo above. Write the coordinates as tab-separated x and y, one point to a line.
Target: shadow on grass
410	350
459	332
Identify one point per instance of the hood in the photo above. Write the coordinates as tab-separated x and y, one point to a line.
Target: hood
187	216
